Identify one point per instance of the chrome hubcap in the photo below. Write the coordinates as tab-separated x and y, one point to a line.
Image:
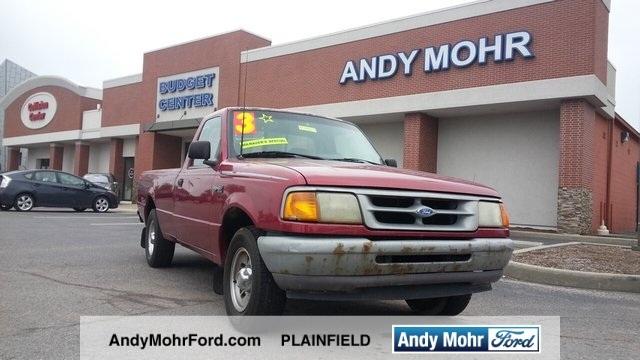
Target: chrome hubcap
102	205
25	202
151	238
241	277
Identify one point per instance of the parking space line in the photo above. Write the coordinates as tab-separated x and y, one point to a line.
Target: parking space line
86	217
115	224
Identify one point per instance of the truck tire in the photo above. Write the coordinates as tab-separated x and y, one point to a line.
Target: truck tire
249	288
158	250
446	306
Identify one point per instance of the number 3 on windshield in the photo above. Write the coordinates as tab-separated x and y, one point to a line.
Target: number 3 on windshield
249	123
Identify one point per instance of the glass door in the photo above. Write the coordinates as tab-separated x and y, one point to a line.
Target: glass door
127	186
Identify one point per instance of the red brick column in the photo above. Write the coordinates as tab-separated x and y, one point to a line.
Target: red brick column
13	159
157	151
116	162
575	188
56	153
420	142
81	159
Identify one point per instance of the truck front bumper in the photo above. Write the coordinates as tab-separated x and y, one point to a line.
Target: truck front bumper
353	268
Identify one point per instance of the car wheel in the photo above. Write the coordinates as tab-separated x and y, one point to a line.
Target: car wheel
101	204
447	306
249	286
158	250
5	207
24	202
79	209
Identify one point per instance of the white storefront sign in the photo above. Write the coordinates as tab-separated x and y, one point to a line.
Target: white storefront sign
188	95
501	48
38	110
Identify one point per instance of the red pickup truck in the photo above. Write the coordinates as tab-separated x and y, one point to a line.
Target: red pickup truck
292	205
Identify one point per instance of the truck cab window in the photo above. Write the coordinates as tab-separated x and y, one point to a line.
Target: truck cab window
211	133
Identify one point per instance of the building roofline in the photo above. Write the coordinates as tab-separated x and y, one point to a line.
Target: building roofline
205	38
439	16
627	125
48	80
121	81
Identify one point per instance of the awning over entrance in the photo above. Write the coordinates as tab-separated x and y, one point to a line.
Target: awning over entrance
173	125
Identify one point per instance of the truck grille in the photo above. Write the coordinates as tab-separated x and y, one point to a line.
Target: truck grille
400	210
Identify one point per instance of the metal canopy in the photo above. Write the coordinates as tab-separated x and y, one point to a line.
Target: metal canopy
173	125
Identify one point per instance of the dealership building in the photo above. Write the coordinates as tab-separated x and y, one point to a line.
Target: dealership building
515	94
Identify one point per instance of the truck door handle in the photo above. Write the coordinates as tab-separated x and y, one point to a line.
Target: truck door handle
180	182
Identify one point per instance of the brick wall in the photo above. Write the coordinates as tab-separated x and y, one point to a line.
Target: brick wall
575	193
56	155
81	159
420	142
623	182
136	103
569	39
116	161
68	115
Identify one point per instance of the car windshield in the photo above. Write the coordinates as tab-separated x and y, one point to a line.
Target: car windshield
281	134
97	178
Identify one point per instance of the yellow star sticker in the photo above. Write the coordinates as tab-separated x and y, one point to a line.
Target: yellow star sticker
266	118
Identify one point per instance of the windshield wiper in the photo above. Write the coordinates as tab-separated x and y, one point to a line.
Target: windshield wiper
277	154
356	160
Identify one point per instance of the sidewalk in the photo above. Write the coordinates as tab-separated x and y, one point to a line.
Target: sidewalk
555	238
126	206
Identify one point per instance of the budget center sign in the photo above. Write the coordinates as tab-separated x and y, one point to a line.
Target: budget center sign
190	95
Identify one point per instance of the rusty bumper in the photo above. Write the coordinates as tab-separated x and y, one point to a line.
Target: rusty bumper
345	264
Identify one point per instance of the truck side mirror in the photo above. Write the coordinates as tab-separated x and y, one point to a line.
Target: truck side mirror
200	150
391	162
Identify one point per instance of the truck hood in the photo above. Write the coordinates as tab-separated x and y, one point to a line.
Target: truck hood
347	174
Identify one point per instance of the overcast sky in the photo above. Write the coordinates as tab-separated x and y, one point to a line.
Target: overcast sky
91	41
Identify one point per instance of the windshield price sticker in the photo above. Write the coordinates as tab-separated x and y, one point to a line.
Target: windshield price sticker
307	128
244	122
248	144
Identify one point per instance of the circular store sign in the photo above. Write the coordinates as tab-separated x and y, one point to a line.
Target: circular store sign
38	110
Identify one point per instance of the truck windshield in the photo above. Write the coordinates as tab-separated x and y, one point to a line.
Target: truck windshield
281	134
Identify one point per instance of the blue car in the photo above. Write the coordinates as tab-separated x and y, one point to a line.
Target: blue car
24	190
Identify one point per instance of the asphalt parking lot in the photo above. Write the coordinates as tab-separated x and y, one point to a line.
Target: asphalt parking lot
58	265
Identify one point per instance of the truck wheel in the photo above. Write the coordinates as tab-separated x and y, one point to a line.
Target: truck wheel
159	251
447	306
249	286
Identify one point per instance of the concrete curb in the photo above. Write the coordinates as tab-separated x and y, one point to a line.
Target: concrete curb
571	278
536	236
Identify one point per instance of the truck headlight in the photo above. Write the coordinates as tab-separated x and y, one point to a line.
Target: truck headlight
492	214
324	207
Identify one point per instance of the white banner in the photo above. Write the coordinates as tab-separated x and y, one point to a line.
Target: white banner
308	337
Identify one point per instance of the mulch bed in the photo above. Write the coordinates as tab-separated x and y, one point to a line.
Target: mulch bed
585	257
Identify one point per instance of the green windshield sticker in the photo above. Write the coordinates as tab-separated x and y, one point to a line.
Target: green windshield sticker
248	144
307	128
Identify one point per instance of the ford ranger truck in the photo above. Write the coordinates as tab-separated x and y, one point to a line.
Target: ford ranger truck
293	205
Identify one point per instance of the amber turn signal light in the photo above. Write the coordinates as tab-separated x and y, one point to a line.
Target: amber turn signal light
301	206
504	215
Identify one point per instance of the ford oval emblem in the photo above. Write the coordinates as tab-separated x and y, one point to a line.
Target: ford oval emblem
425	212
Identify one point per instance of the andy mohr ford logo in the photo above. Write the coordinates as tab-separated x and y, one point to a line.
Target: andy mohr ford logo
465	338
